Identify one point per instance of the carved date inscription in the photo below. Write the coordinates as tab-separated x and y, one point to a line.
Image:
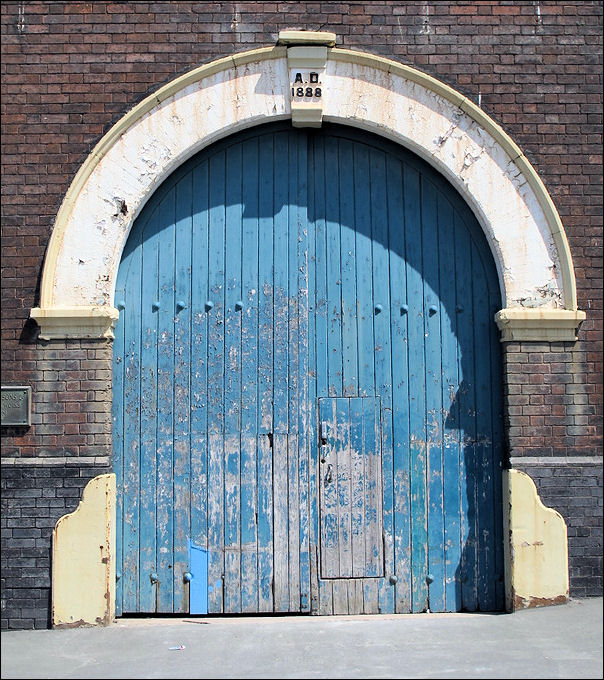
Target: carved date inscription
306	86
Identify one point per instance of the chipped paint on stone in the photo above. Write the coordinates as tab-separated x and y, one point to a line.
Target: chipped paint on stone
83	559
536	546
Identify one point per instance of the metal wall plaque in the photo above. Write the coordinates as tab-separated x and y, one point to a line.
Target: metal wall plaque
16	405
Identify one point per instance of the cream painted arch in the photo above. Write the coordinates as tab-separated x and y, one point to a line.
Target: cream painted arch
509	200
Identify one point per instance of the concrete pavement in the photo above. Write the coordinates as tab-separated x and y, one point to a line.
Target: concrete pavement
564	641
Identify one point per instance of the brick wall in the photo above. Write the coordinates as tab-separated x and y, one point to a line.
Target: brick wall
72	69
550	403
34	497
46	467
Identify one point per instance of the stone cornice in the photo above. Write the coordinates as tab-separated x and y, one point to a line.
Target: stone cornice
547	325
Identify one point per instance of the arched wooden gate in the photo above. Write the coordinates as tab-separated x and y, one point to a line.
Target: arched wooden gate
307	407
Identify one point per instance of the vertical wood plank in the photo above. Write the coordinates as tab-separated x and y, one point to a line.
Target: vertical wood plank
483	447
348	270
320	316
149	411
357	495
334	283
280	291
232	292
355	597
232	524
374	555
326	597
280	523
265	524
325	590
328	490
215	523
364	272
399	305
216	367
340	597
232	379
417	390
126	353
382	472
249	379
266	174
132	425
343	478
371	600
165	407
450	311
466	400
266	209
250	258
313	410
281	378
182	403
294	229
306	417
293	524
497	452
434	472
199	357
117	420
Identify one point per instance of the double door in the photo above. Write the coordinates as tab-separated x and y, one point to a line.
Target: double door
307	409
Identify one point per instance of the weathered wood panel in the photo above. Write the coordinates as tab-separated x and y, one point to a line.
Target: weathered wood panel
350	490
275	272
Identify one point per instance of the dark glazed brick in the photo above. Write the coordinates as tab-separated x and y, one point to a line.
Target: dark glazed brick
575	488
26	584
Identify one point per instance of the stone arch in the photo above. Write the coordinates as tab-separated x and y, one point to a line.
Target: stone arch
509	200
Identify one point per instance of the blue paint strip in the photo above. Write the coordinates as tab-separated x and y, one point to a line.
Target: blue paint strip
198	586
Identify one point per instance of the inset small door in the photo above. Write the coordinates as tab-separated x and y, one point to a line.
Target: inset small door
350	488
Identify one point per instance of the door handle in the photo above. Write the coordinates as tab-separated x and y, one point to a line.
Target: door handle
329	474
323	432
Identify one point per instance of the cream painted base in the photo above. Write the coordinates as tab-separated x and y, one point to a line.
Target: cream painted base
536	548
83	574
83	559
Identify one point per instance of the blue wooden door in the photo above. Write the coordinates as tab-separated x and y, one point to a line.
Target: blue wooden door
279	280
